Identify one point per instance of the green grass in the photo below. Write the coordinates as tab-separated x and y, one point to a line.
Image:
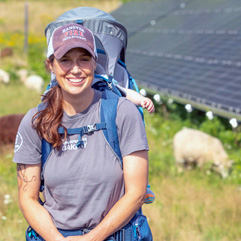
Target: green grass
12	221
17	99
196	205
14	98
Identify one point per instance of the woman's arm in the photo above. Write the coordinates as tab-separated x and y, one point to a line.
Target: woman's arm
135	168
35	214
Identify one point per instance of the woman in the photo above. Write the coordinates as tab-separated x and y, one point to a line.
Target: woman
85	188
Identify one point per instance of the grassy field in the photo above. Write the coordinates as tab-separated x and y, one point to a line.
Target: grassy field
194	206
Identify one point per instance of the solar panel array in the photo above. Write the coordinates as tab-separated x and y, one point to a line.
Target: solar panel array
188	50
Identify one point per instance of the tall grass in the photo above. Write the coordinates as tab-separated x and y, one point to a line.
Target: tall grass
188	209
196	205
12	222
14	99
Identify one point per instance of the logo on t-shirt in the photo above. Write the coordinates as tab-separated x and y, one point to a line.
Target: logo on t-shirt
18	142
71	145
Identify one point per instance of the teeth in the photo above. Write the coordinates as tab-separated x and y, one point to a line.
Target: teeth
75	80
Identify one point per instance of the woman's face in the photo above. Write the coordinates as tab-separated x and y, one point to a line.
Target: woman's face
74	72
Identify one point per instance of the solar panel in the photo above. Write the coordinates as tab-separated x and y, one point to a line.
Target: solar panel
188	50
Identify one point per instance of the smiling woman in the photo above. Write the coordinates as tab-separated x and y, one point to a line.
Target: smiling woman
75	73
73	60
91	193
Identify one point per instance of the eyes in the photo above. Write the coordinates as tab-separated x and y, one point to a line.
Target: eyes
82	59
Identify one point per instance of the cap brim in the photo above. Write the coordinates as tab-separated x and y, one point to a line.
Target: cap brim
60	52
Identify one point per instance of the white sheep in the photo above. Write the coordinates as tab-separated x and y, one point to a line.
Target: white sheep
33	82
193	147
23	74
4	77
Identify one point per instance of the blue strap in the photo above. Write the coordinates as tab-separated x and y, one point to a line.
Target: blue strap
134	84
79	21
122	63
31	233
46	149
83	130
100	51
108	112
106	83
99	76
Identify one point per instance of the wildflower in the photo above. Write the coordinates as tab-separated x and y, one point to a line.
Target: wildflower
7	199
7	196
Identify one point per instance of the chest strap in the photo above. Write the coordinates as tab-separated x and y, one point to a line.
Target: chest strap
82	131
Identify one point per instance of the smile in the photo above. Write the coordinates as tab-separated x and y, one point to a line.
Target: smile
76	80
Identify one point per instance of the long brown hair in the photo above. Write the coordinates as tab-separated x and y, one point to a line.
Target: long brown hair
47	121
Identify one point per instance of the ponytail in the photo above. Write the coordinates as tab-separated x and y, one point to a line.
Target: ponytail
47	121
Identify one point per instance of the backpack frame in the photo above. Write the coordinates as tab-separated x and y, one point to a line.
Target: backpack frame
110	38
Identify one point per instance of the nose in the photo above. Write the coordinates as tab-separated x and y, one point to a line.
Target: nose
76	69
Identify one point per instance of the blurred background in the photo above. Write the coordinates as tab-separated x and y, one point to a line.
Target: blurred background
185	56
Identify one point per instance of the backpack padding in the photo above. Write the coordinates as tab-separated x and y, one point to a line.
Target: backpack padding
102	61
46	149
121	76
108	112
89	17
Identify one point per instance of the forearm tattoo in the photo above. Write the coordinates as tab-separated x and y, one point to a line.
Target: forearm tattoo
23	180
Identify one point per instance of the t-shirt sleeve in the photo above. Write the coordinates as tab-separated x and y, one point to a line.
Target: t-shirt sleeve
27	149
130	127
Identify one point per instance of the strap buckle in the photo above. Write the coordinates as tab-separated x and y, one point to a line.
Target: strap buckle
31	233
89	128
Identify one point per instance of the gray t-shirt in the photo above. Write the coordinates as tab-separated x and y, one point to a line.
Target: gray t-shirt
82	184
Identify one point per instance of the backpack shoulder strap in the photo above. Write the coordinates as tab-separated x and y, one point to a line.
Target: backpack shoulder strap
108	111
46	149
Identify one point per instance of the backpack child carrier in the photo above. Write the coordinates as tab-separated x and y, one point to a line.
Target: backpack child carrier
111	43
110	38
